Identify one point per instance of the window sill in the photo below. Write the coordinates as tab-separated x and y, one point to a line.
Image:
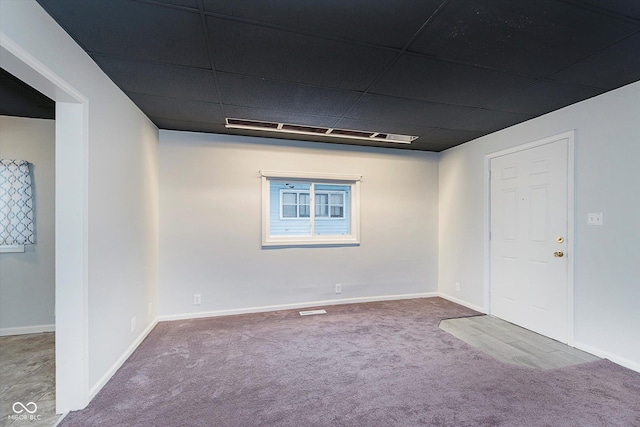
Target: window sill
11	248
306	241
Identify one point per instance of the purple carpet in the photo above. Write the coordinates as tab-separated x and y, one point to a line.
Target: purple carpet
372	364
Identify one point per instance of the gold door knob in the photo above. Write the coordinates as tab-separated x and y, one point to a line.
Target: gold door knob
558	254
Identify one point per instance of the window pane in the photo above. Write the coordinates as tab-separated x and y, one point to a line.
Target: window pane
289	198
304	198
337	220
284	219
322	205
289	211
337	199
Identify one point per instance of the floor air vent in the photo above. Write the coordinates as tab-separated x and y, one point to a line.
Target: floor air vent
312	312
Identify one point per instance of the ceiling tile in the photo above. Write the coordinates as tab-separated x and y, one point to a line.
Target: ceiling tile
170	124
279	55
542	97
385	23
445	82
279	116
447	138
178	109
490	121
287	97
406	111
535	38
160	79
628	8
133	30
19	99
610	68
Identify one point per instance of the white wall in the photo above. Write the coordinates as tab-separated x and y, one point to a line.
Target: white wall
210	219
107	187
607	258
27	279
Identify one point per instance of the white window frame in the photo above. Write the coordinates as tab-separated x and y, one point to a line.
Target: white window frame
352	239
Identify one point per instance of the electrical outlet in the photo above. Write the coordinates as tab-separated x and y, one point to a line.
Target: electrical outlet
338	288
197	299
133	323
457	286
149	309
594	218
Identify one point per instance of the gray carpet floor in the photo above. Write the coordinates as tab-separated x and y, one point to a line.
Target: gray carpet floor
372	364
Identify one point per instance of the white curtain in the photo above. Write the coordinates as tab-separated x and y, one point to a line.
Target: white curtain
16	203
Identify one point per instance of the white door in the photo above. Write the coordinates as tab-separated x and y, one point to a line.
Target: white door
529	223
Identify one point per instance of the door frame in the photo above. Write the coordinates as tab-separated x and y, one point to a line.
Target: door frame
71	222
570	137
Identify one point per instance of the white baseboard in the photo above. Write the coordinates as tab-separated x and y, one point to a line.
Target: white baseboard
23	330
266	308
461	302
107	376
630	364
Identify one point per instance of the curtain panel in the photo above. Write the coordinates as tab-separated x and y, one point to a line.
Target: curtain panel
16	203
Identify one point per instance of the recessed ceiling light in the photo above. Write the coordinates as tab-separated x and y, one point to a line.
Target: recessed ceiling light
318	131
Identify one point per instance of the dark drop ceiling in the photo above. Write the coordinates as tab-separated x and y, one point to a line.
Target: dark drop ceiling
446	71
21	100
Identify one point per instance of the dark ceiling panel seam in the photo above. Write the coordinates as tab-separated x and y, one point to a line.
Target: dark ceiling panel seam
549	76
397	57
602	11
510	93
181	120
207	40
252	107
93	53
291	82
300	32
305	84
405	49
177	98
621	39
169	6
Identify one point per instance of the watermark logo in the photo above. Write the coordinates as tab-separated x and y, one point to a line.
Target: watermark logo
24	412
20	407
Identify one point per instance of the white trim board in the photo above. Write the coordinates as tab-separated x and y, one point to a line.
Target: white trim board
266	308
462	303
111	371
23	330
634	366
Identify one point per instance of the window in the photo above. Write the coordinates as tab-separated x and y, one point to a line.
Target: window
294	203
309	209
